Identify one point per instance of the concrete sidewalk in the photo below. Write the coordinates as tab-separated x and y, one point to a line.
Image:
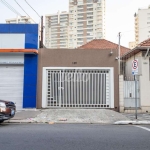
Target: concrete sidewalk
142	119
24	116
103	116
140	116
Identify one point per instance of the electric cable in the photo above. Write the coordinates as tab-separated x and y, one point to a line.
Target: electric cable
24	10
32	8
10	7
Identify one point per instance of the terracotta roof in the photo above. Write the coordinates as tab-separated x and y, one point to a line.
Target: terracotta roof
145	43
142	46
103	44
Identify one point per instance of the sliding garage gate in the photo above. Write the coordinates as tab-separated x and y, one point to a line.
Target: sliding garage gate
78	88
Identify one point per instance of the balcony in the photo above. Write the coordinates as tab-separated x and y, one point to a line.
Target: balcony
63	19
89	1
89	10
89	14
89	5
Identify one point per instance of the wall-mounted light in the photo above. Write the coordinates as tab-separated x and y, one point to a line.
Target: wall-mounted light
111	52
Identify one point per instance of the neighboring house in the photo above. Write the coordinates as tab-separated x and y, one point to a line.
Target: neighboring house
18	64
86	77
127	83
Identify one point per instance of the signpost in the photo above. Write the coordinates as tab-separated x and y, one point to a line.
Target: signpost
135	67
135	72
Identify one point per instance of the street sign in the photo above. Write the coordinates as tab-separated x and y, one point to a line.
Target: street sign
135	67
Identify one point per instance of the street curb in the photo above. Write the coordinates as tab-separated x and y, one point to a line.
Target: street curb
55	122
17	121
132	123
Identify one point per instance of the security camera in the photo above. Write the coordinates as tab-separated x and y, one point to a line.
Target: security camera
116	58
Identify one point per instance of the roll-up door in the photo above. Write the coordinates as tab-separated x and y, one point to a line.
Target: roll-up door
11	84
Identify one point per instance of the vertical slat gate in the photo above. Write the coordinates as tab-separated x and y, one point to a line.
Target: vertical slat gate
78	88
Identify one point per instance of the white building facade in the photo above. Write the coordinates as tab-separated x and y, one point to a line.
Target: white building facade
20	19
84	22
142	25
56	30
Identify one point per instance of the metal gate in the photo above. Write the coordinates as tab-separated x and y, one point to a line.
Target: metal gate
78	88
129	94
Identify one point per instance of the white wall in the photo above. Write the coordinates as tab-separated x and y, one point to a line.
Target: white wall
128	69
12	41
145	82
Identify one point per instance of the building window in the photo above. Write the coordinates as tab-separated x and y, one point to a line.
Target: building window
89	1
90	5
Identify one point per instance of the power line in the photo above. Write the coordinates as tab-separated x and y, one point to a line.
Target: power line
33	9
23	10
10	7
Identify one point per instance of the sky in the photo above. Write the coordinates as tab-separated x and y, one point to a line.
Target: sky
119	14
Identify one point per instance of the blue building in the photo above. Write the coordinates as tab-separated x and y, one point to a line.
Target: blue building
18	63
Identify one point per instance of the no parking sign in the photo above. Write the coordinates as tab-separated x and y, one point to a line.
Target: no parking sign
135	67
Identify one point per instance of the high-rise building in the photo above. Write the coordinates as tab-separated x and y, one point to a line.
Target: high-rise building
132	45
142	25
84	22
21	19
56	30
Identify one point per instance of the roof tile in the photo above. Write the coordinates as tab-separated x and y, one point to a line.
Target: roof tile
145	43
103	44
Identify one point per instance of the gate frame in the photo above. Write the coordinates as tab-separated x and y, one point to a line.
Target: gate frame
44	83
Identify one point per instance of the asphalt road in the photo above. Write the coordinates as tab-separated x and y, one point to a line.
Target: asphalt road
73	137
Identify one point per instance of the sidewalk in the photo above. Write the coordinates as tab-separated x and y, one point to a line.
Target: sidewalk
24	116
51	116
142	119
101	116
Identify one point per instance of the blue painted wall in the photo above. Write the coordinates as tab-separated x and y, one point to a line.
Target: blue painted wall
30	81
30	60
30	71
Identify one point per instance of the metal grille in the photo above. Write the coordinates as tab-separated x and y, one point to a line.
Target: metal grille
129	94
78	88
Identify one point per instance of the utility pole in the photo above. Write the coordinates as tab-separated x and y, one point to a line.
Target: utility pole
42	27
135	79
119	54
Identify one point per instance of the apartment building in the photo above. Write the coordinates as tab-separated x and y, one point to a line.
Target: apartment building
132	45
20	19
142	25
56	30
84	22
